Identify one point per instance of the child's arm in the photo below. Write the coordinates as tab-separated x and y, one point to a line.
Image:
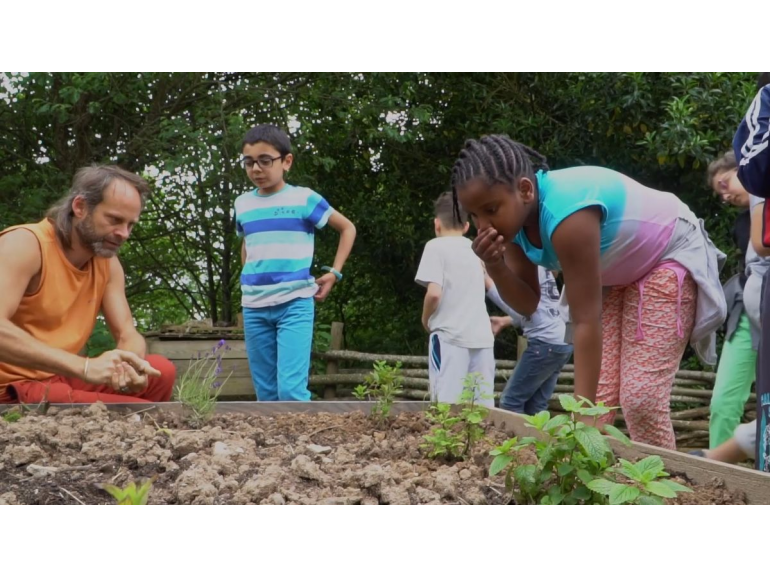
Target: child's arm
493	295
514	275
577	243
512	318
500	323
431	302
347	232
728	452
756	230
488	283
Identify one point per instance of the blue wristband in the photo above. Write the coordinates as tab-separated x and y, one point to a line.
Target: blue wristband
334	271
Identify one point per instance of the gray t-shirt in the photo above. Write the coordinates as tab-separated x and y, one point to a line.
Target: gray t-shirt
546	324
755	264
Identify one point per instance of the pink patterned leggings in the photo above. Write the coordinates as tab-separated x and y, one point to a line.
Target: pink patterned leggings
645	329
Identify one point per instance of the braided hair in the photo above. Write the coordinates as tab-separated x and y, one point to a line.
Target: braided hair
496	159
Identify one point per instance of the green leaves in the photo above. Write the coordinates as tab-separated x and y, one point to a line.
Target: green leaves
593	443
130	494
500	464
539	420
455	436
617	434
621	494
601	486
569	403
575	464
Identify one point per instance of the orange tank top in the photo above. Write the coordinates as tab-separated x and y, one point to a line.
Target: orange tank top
62	312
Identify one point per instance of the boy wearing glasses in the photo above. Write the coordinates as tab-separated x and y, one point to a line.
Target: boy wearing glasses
277	222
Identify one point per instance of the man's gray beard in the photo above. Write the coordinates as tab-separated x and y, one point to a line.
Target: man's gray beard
85	229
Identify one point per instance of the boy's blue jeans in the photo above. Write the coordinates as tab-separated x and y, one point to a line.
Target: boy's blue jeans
534	379
278	342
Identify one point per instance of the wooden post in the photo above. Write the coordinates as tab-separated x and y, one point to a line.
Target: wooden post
521	346
332	367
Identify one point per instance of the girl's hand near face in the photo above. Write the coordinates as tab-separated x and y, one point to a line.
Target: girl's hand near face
489	246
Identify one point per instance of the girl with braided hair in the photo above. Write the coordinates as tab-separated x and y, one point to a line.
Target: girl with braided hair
641	275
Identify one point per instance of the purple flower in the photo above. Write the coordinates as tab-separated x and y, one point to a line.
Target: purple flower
221	343
216	385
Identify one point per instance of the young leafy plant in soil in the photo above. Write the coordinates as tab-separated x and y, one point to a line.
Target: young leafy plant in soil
131	494
201	383
382	385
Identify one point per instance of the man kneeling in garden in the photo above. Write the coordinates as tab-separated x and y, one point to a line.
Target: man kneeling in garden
57	275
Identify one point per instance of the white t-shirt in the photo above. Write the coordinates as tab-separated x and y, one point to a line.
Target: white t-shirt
461	316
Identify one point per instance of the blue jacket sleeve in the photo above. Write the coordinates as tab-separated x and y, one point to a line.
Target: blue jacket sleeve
752	146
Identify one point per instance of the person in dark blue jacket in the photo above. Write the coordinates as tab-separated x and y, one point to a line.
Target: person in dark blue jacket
752	150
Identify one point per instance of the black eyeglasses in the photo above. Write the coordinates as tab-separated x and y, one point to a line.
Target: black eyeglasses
263	161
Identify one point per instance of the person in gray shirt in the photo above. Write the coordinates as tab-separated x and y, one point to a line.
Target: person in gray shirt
534	380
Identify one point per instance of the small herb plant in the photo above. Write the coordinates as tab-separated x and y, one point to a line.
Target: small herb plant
131	494
201	383
382	386
13	415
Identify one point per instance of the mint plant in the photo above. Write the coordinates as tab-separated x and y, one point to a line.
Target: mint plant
381	385
649	485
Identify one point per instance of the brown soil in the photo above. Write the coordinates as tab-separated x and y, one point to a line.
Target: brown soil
62	457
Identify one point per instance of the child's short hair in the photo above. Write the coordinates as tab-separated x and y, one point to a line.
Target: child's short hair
271	134
722	164
445	212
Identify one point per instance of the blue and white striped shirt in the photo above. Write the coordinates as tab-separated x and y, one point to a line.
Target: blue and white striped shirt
279	229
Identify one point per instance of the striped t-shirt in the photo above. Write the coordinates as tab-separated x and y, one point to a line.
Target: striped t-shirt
279	229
